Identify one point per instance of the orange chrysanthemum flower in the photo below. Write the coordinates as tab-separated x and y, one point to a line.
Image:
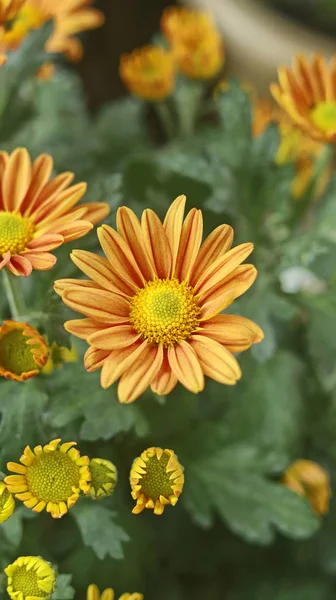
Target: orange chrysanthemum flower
148	72
307	478
70	18
153	304
308	94
196	44
23	351
38	214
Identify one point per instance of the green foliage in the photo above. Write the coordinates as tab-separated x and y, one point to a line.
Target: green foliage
236	532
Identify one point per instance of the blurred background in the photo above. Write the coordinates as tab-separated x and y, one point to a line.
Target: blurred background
259	35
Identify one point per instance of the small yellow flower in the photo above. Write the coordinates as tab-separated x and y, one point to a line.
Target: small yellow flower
108	594
7	503
308	479
23	351
58	355
196	44
307	93
30	578
51	477
156	480
103	478
148	72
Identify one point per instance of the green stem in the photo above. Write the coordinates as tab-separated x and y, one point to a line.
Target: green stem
166	118
14	295
187	98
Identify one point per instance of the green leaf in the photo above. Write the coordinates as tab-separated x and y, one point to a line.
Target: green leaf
106	417
321	334
99	530
55	315
265	146
63	589
234	110
13	527
233	483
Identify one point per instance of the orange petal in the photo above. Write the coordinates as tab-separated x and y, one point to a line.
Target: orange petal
98	268
82	328
138	378
228	290
156	243
46	242
173	226
5	259
50	191
216	361
191	238
119	361
96	211
98	304
16	179
221	268
129	227
94	359
41	172
41	261
64	284
186	367
112	338
216	244
120	257
72	230
165	381
235	333
59	204
19	265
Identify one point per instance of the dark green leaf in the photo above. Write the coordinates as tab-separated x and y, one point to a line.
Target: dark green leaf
99	530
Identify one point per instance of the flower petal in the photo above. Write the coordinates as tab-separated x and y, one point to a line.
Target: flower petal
120	361
173	226
98	268
94	359
235	333
19	265
186	367
112	338
156	243
16	179
96	211
82	328
120	257
50	191
165	381
64	284
221	268
41	261
138	378
190	241
233	286
216	244
41	172
216	361
46	242
129	227
97	304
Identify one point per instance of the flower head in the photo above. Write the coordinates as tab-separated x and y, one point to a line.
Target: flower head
153	305
196	44
103	478
9	10
30	577
58	355
7	503
50	477
108	594
308	479
23	351
148	72
39	214
70	18
156	480
307	93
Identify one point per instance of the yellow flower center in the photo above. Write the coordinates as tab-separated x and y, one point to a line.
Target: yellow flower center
165	312
52	477
15	354
100	474
156	482
324	116
15	232
26	582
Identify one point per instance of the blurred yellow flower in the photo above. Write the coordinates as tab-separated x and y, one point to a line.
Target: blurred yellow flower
70	18
30	577
7	503
103	478
23	351
9	10
50	477
307	93
58	355
156	480
39	213
308	479
153	305
108	594
148	72
196	44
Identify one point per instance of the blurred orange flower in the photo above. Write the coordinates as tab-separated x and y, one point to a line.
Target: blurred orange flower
307	93
148	72
307	478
